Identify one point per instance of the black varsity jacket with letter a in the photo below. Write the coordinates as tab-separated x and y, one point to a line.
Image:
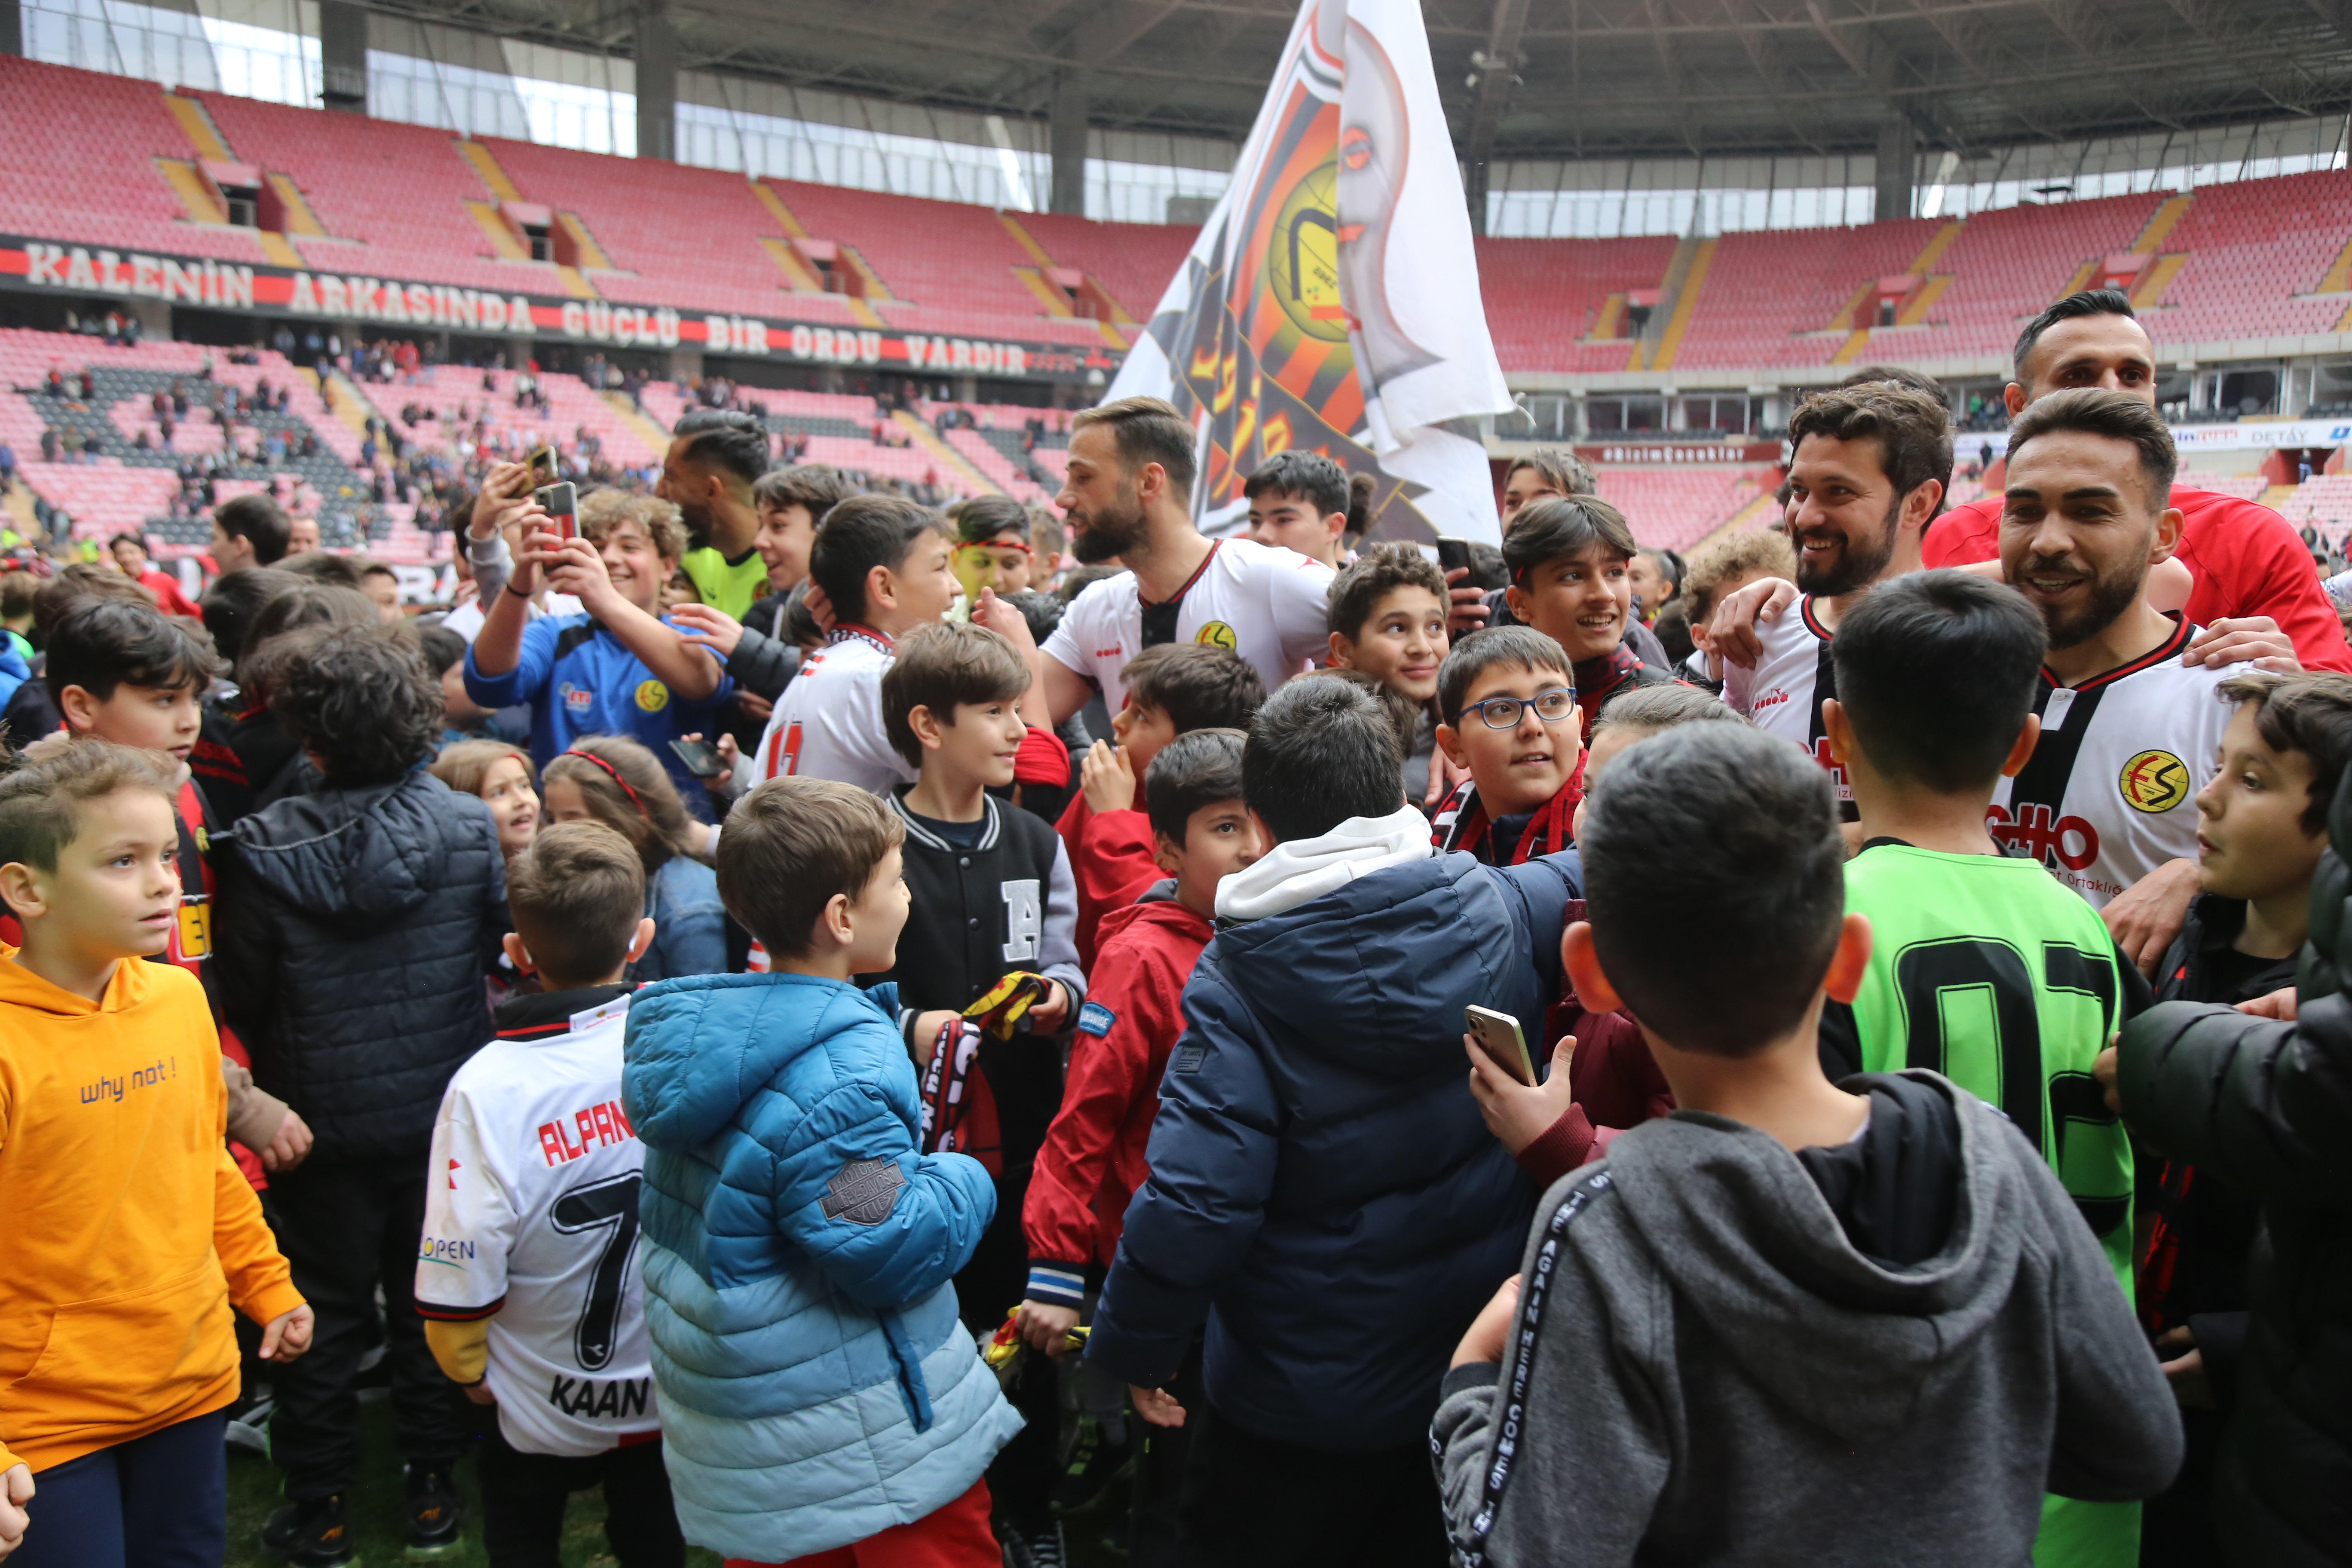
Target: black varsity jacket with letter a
1007	902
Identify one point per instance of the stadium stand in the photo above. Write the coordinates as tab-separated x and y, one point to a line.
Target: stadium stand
1132	261
1674	509
1545	297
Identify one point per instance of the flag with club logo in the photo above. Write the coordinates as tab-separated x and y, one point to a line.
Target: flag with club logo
1331	301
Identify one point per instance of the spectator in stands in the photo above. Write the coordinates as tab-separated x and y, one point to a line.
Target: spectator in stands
714	459
2245	560
250	530
613	670
1298	501
129	552
1128	498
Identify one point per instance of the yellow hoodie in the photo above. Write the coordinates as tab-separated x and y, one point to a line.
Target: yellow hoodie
130	1229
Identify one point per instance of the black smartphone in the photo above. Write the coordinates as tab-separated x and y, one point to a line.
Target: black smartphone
1453	555
700	757
561	502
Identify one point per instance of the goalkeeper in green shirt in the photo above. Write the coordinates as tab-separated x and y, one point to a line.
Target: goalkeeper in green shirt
1983	967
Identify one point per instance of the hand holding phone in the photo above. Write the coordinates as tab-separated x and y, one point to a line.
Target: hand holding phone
542	467
1498	1036
700	757
1454	556
562	504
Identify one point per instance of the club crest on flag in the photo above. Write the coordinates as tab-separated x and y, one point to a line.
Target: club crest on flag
1331	301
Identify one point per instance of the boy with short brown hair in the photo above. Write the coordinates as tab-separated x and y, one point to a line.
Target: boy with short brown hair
131	1229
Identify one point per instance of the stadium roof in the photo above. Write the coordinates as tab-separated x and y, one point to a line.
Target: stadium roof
1593	78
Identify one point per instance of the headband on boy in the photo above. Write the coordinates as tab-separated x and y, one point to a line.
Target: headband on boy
615	773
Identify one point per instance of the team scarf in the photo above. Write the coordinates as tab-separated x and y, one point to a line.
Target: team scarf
1463	824
1597	681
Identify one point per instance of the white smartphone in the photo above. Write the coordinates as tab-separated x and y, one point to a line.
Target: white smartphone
1498	1036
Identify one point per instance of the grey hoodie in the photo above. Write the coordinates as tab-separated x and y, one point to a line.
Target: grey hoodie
1718	1375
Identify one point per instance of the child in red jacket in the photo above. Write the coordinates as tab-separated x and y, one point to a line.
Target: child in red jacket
1171	689
1093	1158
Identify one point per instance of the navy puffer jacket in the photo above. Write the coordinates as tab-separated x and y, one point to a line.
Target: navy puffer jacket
353	929
1322	1187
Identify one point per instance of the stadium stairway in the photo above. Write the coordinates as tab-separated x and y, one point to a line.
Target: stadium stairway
950	459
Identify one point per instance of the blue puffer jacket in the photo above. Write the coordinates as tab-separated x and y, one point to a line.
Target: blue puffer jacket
1322	1187
816	1387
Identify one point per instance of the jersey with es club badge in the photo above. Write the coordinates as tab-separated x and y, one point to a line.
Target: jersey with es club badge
828	722
2110	792
1782	693
1270	605
530	1220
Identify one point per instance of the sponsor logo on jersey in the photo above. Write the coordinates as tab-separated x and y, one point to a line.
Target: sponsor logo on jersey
1771	699
2154	782
576	698
1095	1019
1216	634
651	695
2067	841
568	1138
450	1253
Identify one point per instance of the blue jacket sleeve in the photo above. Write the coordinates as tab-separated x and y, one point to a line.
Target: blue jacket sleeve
1544	885
885	1223
1213	1156
527	680
690	924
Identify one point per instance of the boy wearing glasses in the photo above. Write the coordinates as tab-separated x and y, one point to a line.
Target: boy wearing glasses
1507	712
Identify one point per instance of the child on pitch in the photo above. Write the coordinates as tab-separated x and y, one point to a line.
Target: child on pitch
991	545
1508	717
500	777
357	921
1094	1156
131	1230
1795	1320
1603	1078
613	780
884	566
1979	954
1172	688
1299	501
1571	560
533	1210
1387	619
2263	826
822	1404
992	901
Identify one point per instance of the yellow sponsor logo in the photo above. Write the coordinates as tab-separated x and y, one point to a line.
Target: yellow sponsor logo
1216	634
651	695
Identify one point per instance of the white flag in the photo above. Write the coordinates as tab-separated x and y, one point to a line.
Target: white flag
1331	301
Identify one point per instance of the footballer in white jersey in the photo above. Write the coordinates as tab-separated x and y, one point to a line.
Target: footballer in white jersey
828	724
530	1222
1782	693
1271	606
2110	793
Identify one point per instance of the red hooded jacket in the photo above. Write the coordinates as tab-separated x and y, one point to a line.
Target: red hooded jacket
1614	1081
1110	859
1093	1158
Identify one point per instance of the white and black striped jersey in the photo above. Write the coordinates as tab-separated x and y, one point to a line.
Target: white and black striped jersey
1782	694
2110	793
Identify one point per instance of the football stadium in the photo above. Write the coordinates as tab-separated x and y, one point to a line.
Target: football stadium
371	271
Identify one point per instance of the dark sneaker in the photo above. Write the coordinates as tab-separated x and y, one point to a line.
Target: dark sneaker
434	1514
1094	1464
1036	1543
248	1421
312	1534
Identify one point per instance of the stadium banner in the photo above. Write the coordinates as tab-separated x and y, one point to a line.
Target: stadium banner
335	298
1331	300
2261	435
1659	454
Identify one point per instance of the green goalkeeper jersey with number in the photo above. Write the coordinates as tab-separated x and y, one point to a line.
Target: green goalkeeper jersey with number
1989	971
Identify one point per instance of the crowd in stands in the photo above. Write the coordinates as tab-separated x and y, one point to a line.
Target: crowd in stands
850	1025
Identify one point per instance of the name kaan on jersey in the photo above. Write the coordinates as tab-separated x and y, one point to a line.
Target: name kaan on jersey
532	1223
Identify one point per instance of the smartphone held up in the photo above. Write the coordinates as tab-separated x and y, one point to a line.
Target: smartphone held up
562	503
1499	1037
